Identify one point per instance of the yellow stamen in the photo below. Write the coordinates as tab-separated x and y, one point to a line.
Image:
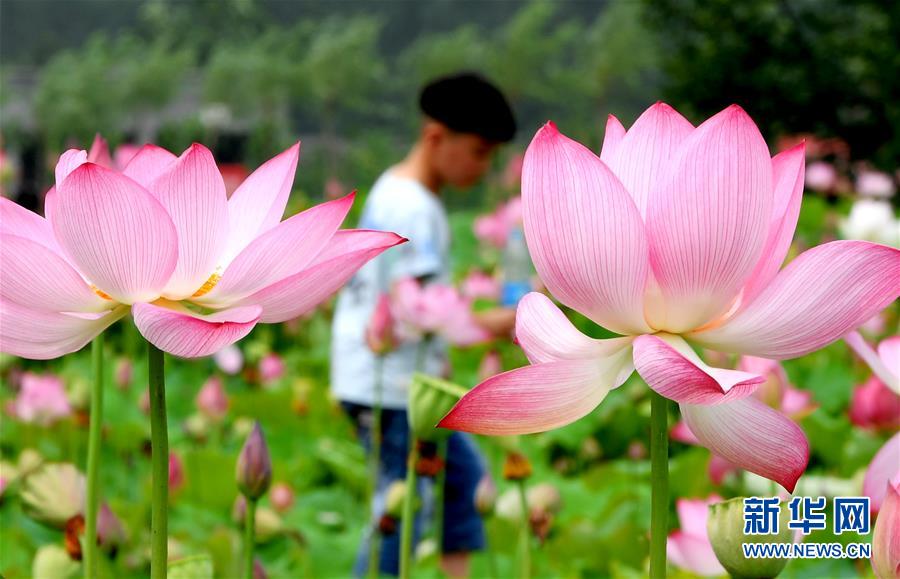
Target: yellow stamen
207	287
101	293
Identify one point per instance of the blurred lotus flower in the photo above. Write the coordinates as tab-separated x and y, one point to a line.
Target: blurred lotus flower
883	472
282	497
29	461
491	365
777	391
176	473
821	176
509	506
485	496
271	368
259	572
334	188
144	402
689	547
229	359
123	373
886	537
110	531
434	309
494	228
198	426
479	285
871	183
871	220
544	497
160	239
54	494
512	173
725	529
53	562
675	233
212	400
884	362
380	332
254	465
41	399
875	406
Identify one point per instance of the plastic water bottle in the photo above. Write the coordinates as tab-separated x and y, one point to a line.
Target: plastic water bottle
516	269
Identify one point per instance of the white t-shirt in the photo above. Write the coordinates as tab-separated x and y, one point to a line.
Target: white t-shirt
406	207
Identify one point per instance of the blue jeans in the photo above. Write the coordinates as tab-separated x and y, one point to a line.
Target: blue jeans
463	527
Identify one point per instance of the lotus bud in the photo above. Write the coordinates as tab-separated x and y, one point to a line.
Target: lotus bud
486	496
176	473
254	466
282	497
54	494
110	531
144	402
123	373
229	360
426	549
509	506
259	572
396	494
52	562
725	527
212	401
886	536
380	333
271	368
430	399
197	426
516	466
544	497
268	525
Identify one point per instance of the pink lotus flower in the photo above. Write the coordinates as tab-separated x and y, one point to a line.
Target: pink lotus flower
874	406
380	332
271	367
123	373
883	472
494	228
885	362
176	472
229	359
886	537
211	400
689	547
675	233
281	497
871	183
821	176
42	399
434	309
479	285
775	391
160	239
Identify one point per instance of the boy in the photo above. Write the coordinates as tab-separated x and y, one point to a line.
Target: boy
465	120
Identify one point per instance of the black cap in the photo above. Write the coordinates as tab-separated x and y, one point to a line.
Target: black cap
468	103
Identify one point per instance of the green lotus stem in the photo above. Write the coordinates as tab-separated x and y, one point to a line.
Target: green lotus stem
249	528
406	531
93	461
525	535
659	478
439	495
375	541
159	444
